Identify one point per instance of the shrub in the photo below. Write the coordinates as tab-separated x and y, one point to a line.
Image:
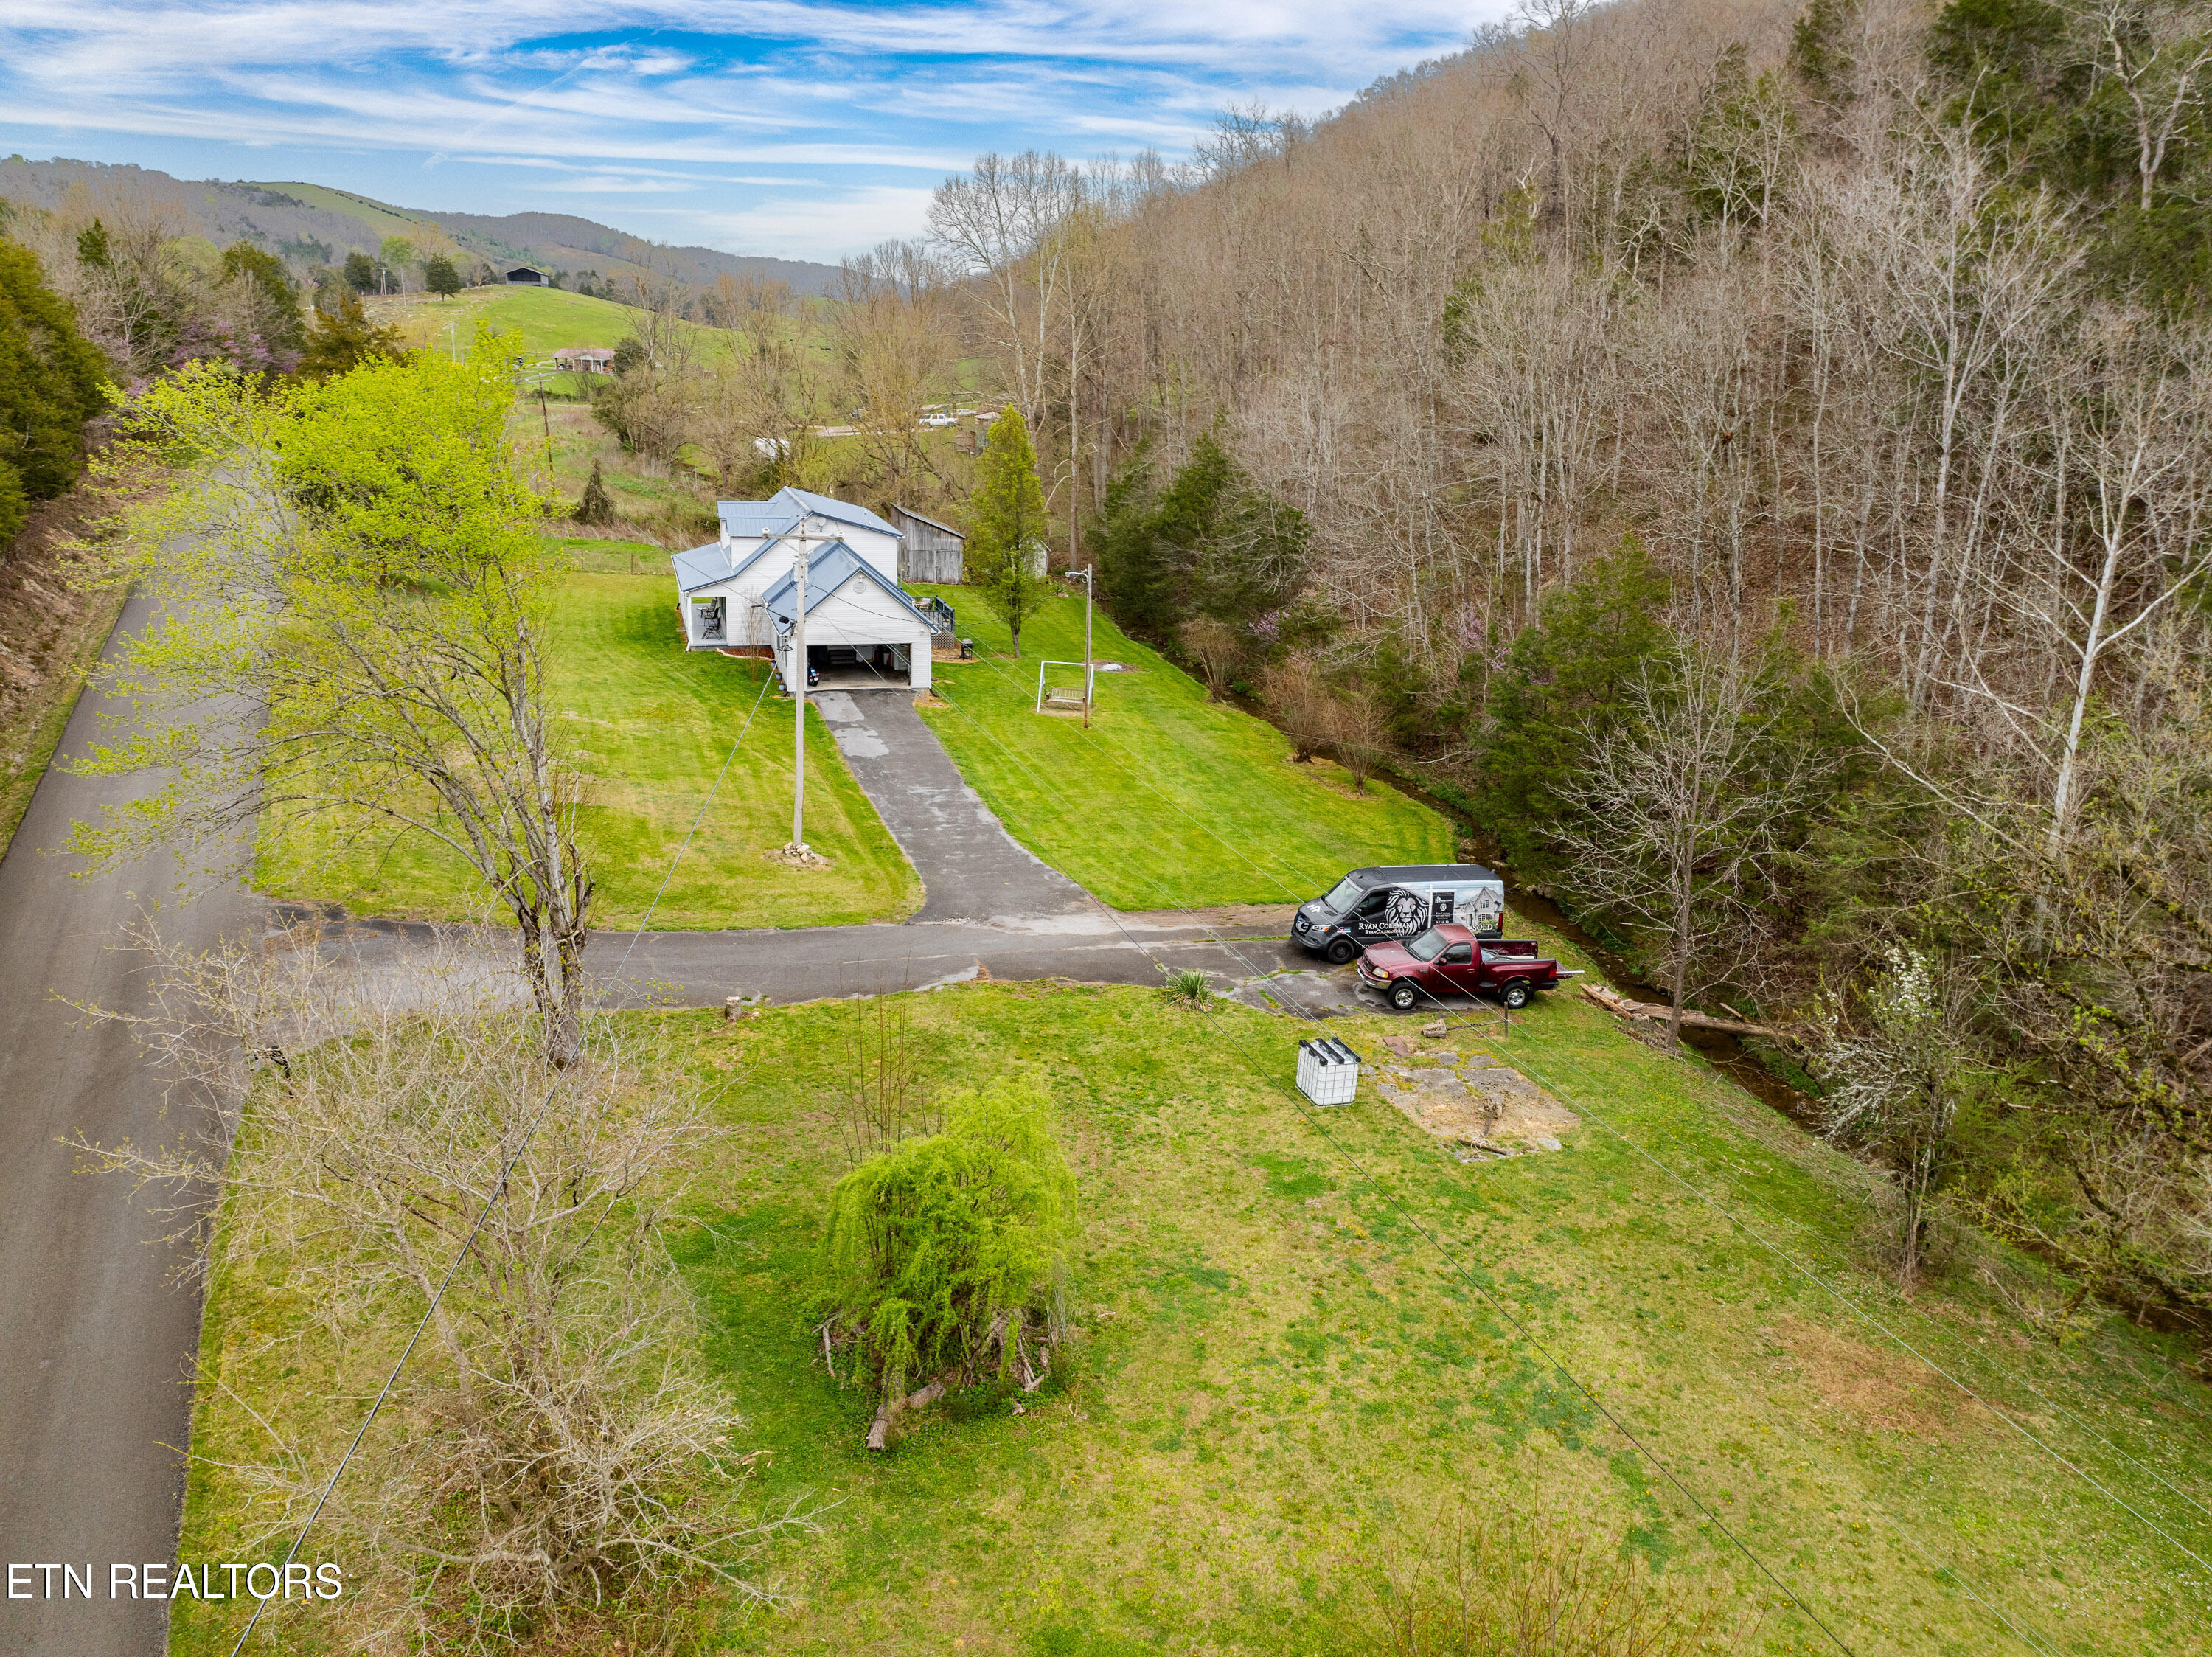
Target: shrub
1189	988
944	1254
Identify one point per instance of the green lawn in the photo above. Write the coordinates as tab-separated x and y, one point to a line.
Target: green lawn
1282	1379
1170	799
652	725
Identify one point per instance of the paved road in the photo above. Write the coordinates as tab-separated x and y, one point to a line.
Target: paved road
94	1371
95	1367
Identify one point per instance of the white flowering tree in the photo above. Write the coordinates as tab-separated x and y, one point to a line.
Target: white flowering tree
1896	1075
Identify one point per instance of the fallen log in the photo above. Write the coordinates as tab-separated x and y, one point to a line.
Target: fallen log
889	1411
1613	1002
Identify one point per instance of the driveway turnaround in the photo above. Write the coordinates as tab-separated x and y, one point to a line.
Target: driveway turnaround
95	1370
971	868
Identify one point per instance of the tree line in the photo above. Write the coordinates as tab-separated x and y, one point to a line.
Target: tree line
1756	459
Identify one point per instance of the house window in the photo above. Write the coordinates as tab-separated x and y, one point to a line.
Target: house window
707	618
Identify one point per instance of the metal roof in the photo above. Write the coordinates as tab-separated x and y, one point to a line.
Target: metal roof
839	511
828	570
702	566
756	517
909	511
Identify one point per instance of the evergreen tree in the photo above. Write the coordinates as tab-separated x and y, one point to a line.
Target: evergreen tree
342	341
439	277
598	507
52	381
1211	542
1007	528
360	273
1567	675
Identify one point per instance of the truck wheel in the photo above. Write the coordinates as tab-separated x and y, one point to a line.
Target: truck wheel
1403	996
1341	951
1516	994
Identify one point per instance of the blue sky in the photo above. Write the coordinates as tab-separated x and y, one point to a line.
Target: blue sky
803	129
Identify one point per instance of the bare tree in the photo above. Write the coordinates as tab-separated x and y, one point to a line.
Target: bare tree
1005	224
2159	54
1678	813
1297	696
1359	734
547	1448
892	334
1215	646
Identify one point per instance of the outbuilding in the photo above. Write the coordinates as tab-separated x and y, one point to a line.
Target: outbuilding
527	275
928	550
738	594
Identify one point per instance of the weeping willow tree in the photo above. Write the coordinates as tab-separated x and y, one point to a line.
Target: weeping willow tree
944	1254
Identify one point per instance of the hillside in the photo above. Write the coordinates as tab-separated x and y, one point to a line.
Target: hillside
311	224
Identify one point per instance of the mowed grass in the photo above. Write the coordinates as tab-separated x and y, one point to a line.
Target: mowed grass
650	725
1169	800
1310	1342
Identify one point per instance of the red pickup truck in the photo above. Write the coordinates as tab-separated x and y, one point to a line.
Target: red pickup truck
1450	960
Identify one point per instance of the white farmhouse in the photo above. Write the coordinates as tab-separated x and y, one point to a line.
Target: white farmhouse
862	629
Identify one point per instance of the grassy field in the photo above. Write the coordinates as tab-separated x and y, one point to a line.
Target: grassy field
1170	799
1310	1342
652	725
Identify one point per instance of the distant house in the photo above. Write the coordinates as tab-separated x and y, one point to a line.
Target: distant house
584	359
524	275
928	550
863	632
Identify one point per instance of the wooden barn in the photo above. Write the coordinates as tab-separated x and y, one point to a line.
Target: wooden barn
928	550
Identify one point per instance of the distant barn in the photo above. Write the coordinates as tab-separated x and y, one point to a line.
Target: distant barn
527	276
928	550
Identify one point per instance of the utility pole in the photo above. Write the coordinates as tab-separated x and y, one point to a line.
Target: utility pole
798	700
1089	573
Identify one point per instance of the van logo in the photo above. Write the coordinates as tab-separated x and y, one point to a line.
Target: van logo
1403	912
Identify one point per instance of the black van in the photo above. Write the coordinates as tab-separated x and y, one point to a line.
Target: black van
1398	901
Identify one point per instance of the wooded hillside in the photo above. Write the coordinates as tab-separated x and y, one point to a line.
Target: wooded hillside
1758	458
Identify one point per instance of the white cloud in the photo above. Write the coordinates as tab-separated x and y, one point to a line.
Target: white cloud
823	227
694	95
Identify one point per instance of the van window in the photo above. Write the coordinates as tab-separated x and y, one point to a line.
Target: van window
1346	894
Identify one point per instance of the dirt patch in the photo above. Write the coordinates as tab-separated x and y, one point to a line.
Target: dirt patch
1871	1388
1471	1102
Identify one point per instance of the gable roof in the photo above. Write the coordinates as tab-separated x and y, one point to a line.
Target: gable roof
830	569
909	511
843	512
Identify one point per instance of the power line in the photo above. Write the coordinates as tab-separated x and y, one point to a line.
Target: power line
499	1190
1901	1342
1146	781
1527	1334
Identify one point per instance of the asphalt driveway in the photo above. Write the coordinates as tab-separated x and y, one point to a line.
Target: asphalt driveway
971	868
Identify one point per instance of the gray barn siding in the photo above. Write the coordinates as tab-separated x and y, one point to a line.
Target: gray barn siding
928	551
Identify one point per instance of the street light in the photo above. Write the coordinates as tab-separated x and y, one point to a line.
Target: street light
1088	573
